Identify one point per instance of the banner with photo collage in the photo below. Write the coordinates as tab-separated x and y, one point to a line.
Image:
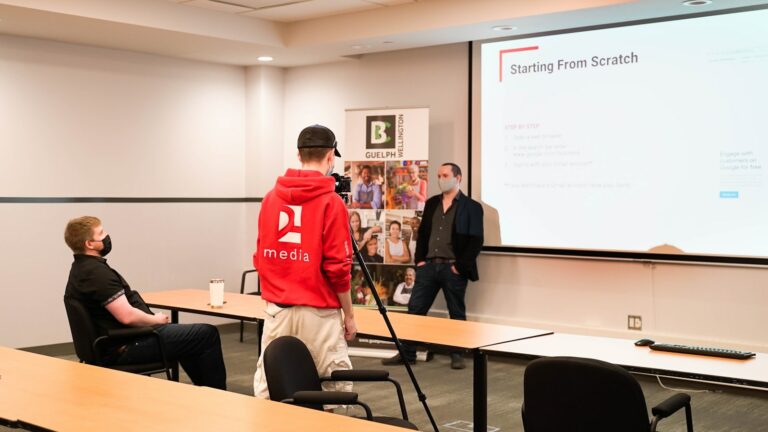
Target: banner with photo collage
386	155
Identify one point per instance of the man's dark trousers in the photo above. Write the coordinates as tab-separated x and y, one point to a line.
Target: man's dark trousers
430	278
196	347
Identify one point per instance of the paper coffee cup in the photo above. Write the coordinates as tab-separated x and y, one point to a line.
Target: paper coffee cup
216	291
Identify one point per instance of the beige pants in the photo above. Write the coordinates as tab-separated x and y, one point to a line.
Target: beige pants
321	330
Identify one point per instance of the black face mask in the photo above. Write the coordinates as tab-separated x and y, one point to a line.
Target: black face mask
107	246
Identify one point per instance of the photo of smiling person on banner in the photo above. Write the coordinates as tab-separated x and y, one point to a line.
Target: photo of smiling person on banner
411	223
397	237
394	283
406	185
367	182
402	292
363	224
371	253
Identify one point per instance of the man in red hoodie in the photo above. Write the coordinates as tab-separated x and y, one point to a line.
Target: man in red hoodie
304	257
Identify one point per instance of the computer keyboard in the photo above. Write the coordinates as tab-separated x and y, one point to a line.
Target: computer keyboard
715	352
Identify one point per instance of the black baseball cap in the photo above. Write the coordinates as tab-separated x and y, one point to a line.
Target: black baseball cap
317	136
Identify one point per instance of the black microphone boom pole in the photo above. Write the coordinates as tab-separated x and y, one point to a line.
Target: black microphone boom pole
398	344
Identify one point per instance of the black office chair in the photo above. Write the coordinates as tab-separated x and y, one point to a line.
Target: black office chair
257	292
89	345
579	395
292	378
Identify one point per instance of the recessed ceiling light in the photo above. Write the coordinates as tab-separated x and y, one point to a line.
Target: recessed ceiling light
504	28
264	58
696	2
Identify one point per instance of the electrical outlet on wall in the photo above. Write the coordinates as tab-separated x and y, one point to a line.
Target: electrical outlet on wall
634	322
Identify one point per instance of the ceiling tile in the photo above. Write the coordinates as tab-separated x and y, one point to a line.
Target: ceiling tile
390	2
311	9
258	4
218	6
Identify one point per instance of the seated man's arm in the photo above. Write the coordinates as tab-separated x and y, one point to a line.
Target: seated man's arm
130	316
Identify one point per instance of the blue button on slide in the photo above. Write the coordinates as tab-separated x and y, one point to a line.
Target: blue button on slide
729	194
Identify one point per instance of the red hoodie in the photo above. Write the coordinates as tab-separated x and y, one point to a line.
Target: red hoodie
303	251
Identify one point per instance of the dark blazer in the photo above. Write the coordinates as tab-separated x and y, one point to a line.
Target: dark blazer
466	236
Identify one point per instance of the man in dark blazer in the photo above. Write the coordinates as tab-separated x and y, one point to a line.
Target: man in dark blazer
450	238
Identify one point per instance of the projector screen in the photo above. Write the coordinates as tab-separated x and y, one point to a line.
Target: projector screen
629	140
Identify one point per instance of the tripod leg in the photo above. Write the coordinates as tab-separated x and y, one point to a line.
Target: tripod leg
398	344
480	391
175	363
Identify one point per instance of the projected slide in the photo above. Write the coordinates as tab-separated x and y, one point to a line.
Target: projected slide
631	138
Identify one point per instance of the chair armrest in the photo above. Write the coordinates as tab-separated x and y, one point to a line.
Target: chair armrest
133	333
324	397
130	332
671	405
242	283
123	333
358	375
361	375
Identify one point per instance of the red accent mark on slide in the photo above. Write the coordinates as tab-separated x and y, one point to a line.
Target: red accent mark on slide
511	50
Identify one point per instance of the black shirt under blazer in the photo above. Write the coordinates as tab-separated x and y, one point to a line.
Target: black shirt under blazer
466	236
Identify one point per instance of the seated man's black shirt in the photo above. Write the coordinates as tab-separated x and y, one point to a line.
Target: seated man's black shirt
96	284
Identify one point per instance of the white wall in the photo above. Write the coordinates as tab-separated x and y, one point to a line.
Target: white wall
86	122
714	305
264	149
82	121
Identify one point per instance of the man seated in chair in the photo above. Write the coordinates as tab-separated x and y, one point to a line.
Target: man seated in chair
112	304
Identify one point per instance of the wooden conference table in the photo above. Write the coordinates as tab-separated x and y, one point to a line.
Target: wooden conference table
46	393
469	336
623	352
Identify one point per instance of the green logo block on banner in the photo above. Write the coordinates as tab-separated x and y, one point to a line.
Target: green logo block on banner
380	132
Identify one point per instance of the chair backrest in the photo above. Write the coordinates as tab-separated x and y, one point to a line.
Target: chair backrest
289	368
83	330
578	394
